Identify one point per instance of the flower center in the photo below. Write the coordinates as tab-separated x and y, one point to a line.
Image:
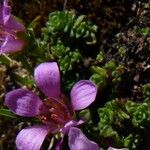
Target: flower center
56	112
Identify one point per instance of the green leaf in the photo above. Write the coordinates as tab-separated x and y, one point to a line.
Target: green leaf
109	132
110	66
7	113
24	80
146	88
4	59
85	114
34	23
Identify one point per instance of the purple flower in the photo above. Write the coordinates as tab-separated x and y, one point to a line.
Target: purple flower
56	114
9	27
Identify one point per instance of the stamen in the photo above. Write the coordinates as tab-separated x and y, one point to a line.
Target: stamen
59	107
58	119
54	111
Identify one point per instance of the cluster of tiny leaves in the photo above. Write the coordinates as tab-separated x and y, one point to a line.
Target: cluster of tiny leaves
63	38
109	72
66	58
70	24
64	30
123	121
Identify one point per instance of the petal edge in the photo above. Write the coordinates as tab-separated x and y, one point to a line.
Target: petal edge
47	77
78	141
83	94
31	138
23	102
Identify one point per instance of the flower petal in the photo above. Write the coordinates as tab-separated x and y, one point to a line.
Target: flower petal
14	25
5	12
31	138
78	141
111	148
47	78
70	124
83	94
11	44
23	102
